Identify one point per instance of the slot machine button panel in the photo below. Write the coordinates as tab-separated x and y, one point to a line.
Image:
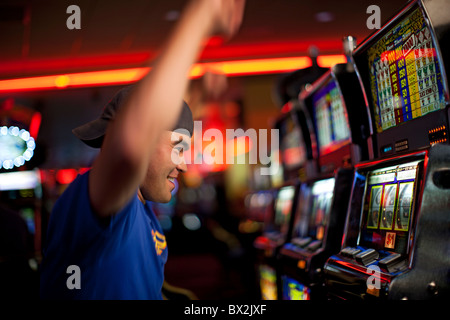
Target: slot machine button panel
367	256
314	245
389	261
350	252
301	242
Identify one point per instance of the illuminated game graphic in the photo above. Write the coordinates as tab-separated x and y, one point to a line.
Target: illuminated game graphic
387	215
20	180
268	283
374	210
22	185
404	206
293	151
388	207
322	194
294	290
405	77
331	118
283	207
315	202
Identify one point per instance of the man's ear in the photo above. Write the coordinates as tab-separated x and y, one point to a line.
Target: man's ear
183	144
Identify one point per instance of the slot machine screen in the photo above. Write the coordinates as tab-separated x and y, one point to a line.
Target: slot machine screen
294	290
321	198
301	216
258	204
268	283
19	180
283	208
388	207
405	74
330	117
19	189
293	151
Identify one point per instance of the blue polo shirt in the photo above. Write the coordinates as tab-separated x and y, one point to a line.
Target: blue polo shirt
121	259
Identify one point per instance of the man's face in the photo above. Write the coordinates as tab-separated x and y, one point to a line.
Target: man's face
164	167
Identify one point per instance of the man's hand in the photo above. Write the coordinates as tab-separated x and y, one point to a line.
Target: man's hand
227	16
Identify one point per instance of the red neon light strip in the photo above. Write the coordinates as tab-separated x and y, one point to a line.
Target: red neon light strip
109	77
123	76
252	67
216	51
104	61
331	60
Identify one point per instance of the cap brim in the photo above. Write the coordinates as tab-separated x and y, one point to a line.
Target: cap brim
92	133
185	120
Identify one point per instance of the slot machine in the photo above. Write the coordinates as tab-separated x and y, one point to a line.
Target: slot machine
337	110
20	155
274	235
296	158
20	201
257	207
396	239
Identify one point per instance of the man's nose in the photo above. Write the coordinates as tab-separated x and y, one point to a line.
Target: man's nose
182	166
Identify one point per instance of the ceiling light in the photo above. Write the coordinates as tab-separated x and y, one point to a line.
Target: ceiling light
324	16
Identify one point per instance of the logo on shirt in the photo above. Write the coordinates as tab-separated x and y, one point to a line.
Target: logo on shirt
160	242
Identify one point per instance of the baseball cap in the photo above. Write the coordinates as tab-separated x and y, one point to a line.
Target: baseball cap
93	132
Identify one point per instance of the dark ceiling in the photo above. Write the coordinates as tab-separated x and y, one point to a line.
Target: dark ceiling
34	39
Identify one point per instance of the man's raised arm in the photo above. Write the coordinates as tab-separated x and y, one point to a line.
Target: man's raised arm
154	104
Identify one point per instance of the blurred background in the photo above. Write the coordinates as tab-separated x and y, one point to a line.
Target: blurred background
53	79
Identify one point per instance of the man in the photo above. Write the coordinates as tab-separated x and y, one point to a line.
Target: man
104	242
